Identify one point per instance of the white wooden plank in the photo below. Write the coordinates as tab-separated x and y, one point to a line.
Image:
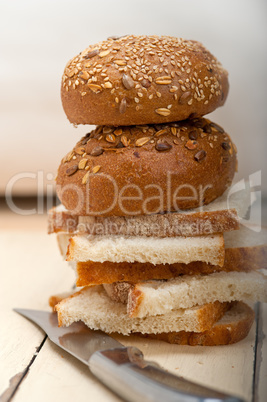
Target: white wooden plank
29	276
57	376
16	350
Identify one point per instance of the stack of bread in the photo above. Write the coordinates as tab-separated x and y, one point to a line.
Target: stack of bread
149	220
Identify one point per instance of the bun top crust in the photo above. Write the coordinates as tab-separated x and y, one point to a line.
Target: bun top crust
139	170
136	80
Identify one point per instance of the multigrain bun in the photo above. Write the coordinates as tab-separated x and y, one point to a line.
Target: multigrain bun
141	80
141	170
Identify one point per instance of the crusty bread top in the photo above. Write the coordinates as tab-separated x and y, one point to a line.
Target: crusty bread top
142	79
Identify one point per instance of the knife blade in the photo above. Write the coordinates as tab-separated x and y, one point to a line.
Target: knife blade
122	369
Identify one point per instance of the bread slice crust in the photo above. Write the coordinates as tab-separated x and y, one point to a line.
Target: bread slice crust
233	327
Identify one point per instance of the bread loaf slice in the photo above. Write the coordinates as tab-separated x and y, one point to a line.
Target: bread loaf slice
219	216
160	297
93	306
231	328
209	249
246	250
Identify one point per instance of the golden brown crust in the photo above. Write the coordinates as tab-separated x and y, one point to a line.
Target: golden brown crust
54	300
222	333
211	313
141	80
147	169
242	259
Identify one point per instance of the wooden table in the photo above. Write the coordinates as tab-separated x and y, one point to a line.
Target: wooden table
34	369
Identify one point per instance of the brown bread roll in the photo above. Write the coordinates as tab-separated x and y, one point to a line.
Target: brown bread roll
138	170
142	80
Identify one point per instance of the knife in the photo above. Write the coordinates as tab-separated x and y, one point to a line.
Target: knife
122	369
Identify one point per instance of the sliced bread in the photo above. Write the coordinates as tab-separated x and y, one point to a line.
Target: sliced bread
93	306
219	216
209	249
160	297
234	326
246	250
231	328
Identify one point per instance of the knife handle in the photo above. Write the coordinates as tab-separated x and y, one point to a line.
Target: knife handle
125	372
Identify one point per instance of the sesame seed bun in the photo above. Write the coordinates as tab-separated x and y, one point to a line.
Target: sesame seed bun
136	80
163	167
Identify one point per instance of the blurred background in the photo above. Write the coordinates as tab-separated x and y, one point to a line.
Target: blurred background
37	38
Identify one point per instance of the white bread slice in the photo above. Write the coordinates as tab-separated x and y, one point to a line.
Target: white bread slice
93	306
231	328
219	216
245	251
209	249
160	297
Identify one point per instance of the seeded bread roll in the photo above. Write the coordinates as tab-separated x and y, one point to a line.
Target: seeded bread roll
139	170
141	80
